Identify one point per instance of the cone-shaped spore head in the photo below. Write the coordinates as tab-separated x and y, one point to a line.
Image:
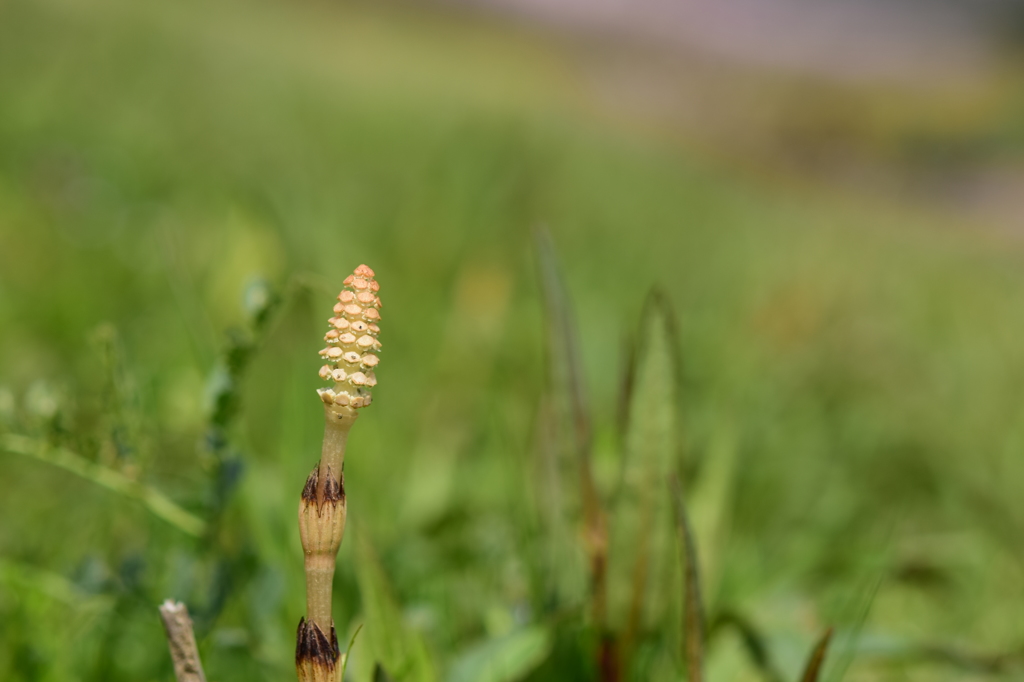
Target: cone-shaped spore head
352	345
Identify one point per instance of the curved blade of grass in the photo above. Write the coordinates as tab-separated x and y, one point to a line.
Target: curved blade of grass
641	556
397	648
693	608
814	664
754	642
153	500
348	651
563	343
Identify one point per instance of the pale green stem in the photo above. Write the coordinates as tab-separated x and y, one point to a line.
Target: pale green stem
320	567
319	584
337	423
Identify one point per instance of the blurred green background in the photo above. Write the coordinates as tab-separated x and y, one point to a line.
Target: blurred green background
842	258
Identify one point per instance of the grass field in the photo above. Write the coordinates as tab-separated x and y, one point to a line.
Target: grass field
851	399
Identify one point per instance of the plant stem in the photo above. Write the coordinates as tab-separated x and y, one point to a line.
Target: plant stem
337	423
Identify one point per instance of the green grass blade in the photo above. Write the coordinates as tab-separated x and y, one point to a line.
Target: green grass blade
348	651
568	392
153	500
847	644
814	664
563	343
711	499
754	641
693	609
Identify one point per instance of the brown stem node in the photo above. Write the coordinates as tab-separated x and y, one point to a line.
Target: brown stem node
317	655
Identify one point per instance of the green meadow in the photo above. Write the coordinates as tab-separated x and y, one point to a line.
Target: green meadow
834	376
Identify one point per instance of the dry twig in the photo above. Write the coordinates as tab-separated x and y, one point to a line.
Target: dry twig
182	641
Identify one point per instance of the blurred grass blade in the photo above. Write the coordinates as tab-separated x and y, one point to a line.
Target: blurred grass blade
641	555
153	500
814	664
848	646
754	642
120	420
563	344
693	609
711	499
627	378
985	664
567	385
398	649
503	659
654	347
889	648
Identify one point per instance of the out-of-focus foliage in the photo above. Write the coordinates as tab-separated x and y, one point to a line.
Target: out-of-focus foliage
848	417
